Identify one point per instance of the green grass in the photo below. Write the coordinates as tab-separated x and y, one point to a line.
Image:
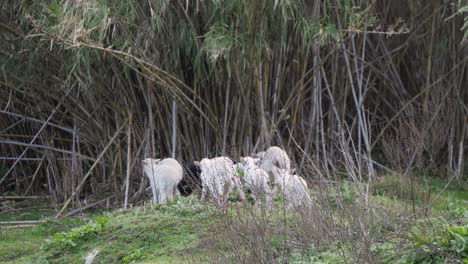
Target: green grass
177	231
148	234
27	210
23	245
441	196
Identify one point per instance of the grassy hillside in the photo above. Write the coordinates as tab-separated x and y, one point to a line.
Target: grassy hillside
188	231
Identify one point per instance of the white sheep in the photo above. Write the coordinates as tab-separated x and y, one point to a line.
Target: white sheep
294	188
219	177
256	180
164	175
274	158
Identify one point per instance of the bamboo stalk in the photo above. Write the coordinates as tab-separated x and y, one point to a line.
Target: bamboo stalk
78	188
13	197
37	134
129	158
81	209
31	222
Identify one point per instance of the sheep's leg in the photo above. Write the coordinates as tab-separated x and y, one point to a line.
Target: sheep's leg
204	187
153	189
268	198
223	192
156	197
241	194
162	195
176	192
170	195
239	188
273	183
275	189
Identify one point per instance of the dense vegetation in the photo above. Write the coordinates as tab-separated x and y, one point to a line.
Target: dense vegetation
187	231
341	84
369	98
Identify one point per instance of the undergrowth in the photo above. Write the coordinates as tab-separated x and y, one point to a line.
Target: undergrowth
336	229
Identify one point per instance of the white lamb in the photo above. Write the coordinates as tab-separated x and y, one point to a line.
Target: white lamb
164	175
256	180
295	189
274	158
219	177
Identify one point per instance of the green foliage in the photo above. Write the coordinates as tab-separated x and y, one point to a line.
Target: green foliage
136	254
448	243
220	40
240	172
344	194
67	240
324	33
185	206
164	233
456	209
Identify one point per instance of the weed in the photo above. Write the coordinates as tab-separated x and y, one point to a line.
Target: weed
67	240
136	254
446	244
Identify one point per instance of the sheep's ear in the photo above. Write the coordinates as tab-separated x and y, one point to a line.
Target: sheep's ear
197	163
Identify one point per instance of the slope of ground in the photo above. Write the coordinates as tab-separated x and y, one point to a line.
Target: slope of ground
188	231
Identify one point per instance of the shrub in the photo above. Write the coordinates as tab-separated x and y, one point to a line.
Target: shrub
136	254
67	240
449	244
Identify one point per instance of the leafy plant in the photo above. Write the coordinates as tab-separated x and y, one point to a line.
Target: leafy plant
455	210
66	240
135	255
240	172
450	243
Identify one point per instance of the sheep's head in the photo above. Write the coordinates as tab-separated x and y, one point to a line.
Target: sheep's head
148	164
249	162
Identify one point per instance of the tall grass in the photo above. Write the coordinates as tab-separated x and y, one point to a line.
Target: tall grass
333	82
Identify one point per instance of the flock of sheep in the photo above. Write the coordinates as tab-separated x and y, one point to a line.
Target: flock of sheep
264	175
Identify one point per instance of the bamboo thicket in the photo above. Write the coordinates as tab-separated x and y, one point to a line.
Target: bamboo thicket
343	84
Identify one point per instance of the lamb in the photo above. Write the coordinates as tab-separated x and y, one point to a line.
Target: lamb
271	160
219	177
164	175
256	180
294	188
